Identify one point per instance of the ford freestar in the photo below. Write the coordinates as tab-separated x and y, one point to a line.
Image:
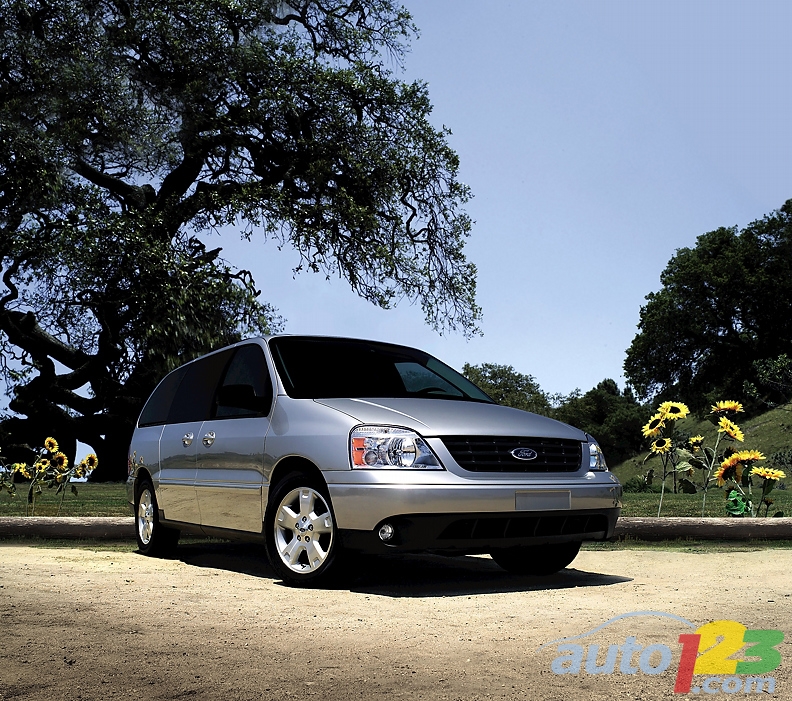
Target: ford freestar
321	445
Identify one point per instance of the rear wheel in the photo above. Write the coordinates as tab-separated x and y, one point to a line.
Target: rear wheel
300	530
152	538
537	559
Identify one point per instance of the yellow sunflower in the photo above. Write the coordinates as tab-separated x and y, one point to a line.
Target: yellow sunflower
729	470
696	442
750	456
81	470
673	410
661	445
722	407
730	429
51	444
654	426
91	461
60	461
22	469
731	461
768	473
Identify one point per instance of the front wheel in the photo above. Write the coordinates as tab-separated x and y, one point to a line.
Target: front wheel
152	538
537	559
301	535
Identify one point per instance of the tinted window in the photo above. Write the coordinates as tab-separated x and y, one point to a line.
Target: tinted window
248	368
420	379
312	368
194	398
158	406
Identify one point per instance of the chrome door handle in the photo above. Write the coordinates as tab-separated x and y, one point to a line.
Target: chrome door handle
209	438
187	440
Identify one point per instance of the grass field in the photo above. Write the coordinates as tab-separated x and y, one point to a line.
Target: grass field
106	499
109	499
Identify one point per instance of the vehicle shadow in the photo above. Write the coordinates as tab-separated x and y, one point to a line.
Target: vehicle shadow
399	575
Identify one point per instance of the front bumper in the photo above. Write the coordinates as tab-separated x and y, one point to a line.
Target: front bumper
484	532
363	506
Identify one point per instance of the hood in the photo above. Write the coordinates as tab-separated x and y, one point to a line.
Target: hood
442	417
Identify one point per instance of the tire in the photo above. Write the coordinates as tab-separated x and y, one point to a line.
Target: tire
303	544
537	559
152	538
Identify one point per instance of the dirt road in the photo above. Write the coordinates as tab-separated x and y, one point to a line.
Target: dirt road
215	624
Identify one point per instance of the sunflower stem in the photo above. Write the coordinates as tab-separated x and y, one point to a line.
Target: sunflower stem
63	492
710	468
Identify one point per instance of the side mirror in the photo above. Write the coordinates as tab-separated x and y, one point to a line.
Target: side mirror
242	397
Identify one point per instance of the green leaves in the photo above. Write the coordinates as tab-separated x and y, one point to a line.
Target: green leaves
736	504
686	486
724	304
130	134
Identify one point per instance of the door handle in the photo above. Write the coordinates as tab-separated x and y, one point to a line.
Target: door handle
209	438
187	440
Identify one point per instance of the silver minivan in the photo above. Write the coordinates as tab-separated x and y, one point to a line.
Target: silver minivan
321	446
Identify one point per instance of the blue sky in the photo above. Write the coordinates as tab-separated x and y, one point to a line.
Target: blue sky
597	137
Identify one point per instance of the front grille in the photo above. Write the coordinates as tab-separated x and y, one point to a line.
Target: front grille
493	453
501	527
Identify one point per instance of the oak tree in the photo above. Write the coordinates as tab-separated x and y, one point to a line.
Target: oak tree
132	131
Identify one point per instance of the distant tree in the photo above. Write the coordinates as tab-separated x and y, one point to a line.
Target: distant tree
614	418
724	304
773	386
129	130
509	387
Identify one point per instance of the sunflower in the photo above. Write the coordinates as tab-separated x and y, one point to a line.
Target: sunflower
91	461
723	407
729	472
81	470
750	456
51	444
60	461
730	428
696	442
661	445
22	469
654	426
673	410
768	473
731	461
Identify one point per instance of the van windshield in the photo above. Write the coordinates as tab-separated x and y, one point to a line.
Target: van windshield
324	368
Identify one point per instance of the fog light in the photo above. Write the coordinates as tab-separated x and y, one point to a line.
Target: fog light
386	532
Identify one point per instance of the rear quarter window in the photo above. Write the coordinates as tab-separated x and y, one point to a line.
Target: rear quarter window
158	406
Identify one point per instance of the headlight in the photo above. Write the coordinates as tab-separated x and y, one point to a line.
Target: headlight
386	447
596	459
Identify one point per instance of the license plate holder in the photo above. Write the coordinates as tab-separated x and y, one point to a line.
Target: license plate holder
543	500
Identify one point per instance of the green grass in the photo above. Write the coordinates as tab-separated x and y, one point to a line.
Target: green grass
105	499
645	503
691	545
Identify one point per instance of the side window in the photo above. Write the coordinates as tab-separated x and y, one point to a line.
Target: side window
247	386
155	413
193	400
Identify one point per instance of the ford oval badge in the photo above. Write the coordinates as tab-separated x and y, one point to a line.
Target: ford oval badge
524	453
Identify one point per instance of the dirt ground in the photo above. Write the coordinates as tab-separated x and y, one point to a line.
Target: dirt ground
214	623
